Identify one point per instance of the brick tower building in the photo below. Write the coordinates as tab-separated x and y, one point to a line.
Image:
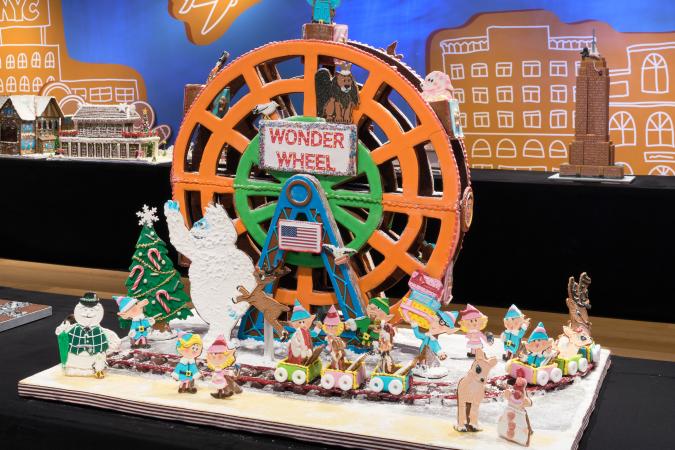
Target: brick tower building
592	153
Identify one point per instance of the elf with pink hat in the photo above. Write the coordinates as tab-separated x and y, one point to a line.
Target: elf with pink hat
333	327
472	323
220	358
132	309
301	346
539	346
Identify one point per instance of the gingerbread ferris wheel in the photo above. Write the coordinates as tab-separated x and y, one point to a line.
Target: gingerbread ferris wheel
388	206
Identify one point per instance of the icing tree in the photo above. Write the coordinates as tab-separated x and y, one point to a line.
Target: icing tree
217	267
152	279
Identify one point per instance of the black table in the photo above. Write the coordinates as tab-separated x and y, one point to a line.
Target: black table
635	408
529	234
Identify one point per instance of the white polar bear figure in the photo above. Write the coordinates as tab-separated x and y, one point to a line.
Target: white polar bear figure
217	267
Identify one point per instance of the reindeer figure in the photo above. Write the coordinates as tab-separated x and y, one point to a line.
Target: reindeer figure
578	302
576	338
260	300
471	391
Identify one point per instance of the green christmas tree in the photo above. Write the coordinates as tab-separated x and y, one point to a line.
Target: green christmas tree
152	276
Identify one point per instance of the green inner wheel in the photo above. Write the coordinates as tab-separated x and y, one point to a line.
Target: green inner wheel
340	200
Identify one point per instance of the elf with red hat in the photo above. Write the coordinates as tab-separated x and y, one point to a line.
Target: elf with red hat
301	346
472	323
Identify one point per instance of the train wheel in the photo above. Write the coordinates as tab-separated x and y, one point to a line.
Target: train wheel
395	387
376	384
299	377
583	365
595	352
383	211
572	368
542	377
556	375
281	374
346	382
328	381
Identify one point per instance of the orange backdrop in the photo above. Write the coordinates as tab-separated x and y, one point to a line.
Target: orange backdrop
514	75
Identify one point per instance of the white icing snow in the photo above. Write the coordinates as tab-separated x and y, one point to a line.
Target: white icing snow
217	268
561	410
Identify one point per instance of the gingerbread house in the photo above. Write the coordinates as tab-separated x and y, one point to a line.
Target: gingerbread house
108	131
29	124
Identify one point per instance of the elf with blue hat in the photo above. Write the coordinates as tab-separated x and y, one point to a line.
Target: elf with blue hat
440	323
132	309
516	325
539	347
301	346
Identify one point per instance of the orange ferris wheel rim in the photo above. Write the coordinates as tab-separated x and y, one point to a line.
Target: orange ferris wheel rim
400	145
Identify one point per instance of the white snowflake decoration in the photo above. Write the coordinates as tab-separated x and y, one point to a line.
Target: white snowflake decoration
148	216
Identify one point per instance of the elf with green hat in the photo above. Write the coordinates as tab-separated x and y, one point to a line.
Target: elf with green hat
539	347
368	327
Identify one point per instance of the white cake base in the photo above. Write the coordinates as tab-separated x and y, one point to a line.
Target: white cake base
558	418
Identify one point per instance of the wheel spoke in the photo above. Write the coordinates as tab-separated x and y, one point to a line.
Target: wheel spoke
352	198
372	84
208	120
263	213
305	283
428	206
311	66
405	144
347	219
259	188
252	79
393	251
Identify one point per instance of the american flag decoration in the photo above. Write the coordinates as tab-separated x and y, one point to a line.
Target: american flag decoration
298	236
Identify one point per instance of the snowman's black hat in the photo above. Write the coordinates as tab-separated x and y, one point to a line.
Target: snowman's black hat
89	299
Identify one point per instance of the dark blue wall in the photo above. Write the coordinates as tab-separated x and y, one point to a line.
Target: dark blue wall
141	33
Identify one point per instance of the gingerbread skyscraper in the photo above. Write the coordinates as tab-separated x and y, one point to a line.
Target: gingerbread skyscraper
592	153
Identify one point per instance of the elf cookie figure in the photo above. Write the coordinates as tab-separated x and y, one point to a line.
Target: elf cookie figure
333	328
385	344
430	349
220	358
132	309
539	348
516	325
301	346
472	323
83	342
368	327
514	424
189	346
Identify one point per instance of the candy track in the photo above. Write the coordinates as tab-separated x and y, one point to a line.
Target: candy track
259	377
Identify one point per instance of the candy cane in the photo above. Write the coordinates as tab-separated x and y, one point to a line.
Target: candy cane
139	277
151	256
163	293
